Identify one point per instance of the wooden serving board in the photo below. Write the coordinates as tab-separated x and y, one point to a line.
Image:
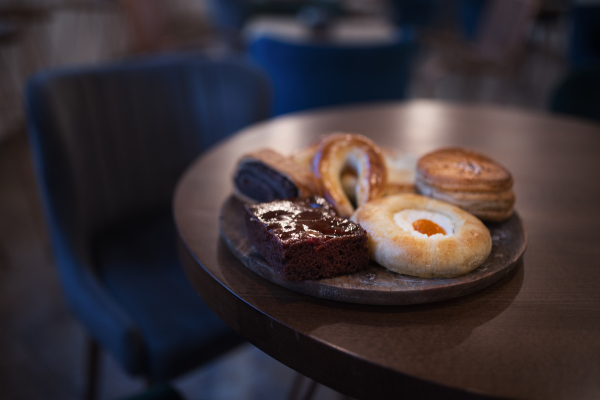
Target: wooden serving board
375	284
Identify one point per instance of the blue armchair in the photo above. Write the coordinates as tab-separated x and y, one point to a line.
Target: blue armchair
109	143
308	75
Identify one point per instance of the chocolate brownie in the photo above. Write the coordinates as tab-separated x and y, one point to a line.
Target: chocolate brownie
305	239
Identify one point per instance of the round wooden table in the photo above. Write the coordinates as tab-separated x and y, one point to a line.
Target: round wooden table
533	334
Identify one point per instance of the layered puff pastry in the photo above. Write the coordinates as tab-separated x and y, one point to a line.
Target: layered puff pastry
401	171
415	235
468	180
267	175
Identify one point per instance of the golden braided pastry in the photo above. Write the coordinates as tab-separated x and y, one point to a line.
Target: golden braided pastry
344	150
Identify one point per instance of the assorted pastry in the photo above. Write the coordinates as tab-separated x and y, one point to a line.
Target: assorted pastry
329	208
416	235
339	152
468	180
305	239
266	175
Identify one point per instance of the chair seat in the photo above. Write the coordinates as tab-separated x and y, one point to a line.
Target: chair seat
138	263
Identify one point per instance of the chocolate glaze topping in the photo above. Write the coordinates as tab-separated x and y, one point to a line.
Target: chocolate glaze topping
303	219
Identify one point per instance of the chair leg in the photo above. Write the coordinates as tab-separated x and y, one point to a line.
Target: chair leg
297	385
93	360
312	388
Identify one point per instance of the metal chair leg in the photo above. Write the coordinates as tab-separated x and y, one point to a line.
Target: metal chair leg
312	388
295	390
296	385
93	361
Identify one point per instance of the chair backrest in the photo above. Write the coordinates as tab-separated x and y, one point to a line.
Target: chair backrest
229	14
578	94
584	34
308	75
110	141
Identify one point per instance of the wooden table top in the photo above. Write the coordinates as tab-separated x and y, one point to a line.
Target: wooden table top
534	334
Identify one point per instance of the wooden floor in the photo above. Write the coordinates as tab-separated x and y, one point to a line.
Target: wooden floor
41	343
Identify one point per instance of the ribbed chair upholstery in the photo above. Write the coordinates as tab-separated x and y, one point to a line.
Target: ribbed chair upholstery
308	75
578	94
109	144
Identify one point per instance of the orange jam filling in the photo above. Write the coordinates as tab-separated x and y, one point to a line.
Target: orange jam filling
428	227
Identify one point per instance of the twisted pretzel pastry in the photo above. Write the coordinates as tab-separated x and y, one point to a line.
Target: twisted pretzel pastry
415	235
340	151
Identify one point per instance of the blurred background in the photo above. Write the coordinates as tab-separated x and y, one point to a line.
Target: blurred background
508	53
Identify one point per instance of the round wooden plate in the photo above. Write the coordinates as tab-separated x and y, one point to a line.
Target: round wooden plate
375	284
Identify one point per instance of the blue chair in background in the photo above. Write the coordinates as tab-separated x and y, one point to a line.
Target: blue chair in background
309	75
109	144
584	35
233	14
578	94
417	13
470	15
229	15
464	16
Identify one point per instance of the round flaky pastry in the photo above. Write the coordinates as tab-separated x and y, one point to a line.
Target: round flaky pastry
461	169
396	245
343	150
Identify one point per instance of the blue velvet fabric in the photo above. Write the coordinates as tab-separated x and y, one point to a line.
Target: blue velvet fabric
307	75
578	94
109	143
584	35
137	262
